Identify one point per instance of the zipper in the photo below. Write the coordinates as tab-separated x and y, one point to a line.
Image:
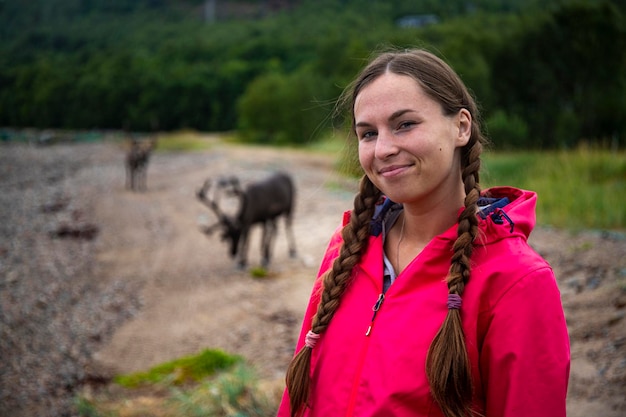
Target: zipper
352	400
361	361
379	302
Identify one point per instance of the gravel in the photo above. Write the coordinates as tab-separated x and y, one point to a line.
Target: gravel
54	309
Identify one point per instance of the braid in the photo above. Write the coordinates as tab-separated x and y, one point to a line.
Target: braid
448	367
355	237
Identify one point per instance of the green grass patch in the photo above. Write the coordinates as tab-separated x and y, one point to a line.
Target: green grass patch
258	272
234	393
579	189
185	369
334	143
183	141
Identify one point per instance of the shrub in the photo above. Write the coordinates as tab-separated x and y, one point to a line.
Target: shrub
281	109
507	131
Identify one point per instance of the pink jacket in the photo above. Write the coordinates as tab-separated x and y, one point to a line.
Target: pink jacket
512	315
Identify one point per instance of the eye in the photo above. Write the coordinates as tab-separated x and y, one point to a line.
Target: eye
366	134
406	125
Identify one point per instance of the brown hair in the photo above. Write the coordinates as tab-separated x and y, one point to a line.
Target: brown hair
447	366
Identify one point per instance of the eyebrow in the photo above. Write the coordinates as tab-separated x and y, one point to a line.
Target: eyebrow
393	116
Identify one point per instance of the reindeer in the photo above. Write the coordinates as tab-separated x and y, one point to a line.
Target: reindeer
137	160
260	203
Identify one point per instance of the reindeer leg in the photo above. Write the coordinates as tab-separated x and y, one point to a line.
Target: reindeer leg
264	242
143	180
269	231
145	176
139	178
133	180
136	174
291	239
242	251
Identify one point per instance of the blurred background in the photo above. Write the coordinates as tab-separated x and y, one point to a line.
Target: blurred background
112	303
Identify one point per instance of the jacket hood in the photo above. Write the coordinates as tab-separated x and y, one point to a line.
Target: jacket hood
504	212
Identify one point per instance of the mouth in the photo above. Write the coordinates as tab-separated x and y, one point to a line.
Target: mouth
393	170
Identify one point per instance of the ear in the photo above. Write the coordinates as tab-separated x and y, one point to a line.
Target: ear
464	127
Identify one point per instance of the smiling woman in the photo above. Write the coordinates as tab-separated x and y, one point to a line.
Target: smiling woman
445	266
407	147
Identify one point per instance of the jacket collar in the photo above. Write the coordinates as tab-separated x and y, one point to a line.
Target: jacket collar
506	212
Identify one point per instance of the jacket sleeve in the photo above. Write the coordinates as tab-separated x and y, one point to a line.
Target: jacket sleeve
332	251
525	357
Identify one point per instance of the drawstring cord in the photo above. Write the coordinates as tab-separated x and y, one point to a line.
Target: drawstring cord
497	216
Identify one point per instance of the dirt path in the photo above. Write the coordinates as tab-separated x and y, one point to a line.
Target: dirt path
191	297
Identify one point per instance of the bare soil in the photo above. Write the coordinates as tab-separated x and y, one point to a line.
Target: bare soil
96	280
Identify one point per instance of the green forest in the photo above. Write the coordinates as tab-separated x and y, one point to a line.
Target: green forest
548	74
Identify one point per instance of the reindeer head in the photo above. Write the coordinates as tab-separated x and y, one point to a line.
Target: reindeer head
230	227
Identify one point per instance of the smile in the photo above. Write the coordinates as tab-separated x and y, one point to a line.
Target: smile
393	170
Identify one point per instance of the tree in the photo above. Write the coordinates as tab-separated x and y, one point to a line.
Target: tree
567	77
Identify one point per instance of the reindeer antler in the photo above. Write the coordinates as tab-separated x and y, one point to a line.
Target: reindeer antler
201	193
223	219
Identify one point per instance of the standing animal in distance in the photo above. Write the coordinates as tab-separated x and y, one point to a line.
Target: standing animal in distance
137	160
260	202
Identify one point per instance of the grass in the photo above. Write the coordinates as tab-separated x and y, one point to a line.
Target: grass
578	189
183	141
258	272
179	371
214	384
230	394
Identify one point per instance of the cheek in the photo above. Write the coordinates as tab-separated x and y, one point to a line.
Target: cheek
365	154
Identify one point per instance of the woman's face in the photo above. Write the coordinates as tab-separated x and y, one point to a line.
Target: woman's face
408	148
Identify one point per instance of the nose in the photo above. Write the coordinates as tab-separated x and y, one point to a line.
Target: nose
385	145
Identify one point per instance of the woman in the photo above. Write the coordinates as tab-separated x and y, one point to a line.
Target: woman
430	302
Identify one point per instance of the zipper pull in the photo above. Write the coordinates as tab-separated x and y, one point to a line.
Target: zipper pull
375	309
